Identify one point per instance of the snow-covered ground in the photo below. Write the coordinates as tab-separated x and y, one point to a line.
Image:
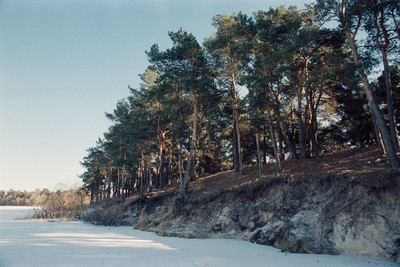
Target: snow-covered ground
43	243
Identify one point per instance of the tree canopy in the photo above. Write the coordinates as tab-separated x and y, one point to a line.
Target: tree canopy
277	85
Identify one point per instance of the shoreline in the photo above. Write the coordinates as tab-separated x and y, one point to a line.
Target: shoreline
69	243
5	207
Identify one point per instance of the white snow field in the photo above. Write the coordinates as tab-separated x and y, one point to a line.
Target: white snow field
44	243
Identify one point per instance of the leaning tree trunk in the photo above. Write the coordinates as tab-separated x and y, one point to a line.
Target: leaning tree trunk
377	115
389	102
383	46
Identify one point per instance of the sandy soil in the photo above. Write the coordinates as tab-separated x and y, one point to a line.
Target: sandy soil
44	243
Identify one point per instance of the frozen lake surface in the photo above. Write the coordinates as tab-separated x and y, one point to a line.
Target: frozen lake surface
43	243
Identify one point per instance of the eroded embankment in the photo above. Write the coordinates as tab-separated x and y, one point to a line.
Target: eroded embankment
327	214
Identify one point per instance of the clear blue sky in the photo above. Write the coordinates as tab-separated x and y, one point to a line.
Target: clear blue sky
63	63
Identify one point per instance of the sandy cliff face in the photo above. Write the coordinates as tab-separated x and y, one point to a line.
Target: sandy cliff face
329	214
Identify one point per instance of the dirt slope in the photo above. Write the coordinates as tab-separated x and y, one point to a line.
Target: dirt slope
346	202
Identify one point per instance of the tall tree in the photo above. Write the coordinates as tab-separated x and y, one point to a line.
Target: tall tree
285	47
274	47
158	106
377	20
229	47
184	68
350	24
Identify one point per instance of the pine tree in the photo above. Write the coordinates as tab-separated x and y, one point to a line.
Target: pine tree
185	70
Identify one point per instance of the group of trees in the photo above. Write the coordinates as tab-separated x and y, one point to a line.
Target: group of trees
308	91
68	203
23	198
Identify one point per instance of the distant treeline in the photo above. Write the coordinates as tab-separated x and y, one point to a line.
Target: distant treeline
58	204
23	198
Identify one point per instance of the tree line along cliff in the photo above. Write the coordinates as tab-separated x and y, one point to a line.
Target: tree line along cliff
276	85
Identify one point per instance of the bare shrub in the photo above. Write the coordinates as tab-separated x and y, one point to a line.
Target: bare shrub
62	205
143	220
165	220
109	215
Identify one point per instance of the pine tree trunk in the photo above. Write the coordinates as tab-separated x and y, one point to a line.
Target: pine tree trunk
265	143
142	177
192	152
109	184
160	175
396	25
314	150
237	147
377	115
91	196
169	168
301	135
389	102
180	163
148	179
307	125
300	122
289	144
273	141
258	154
123	182
379	15
118	182
237	154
